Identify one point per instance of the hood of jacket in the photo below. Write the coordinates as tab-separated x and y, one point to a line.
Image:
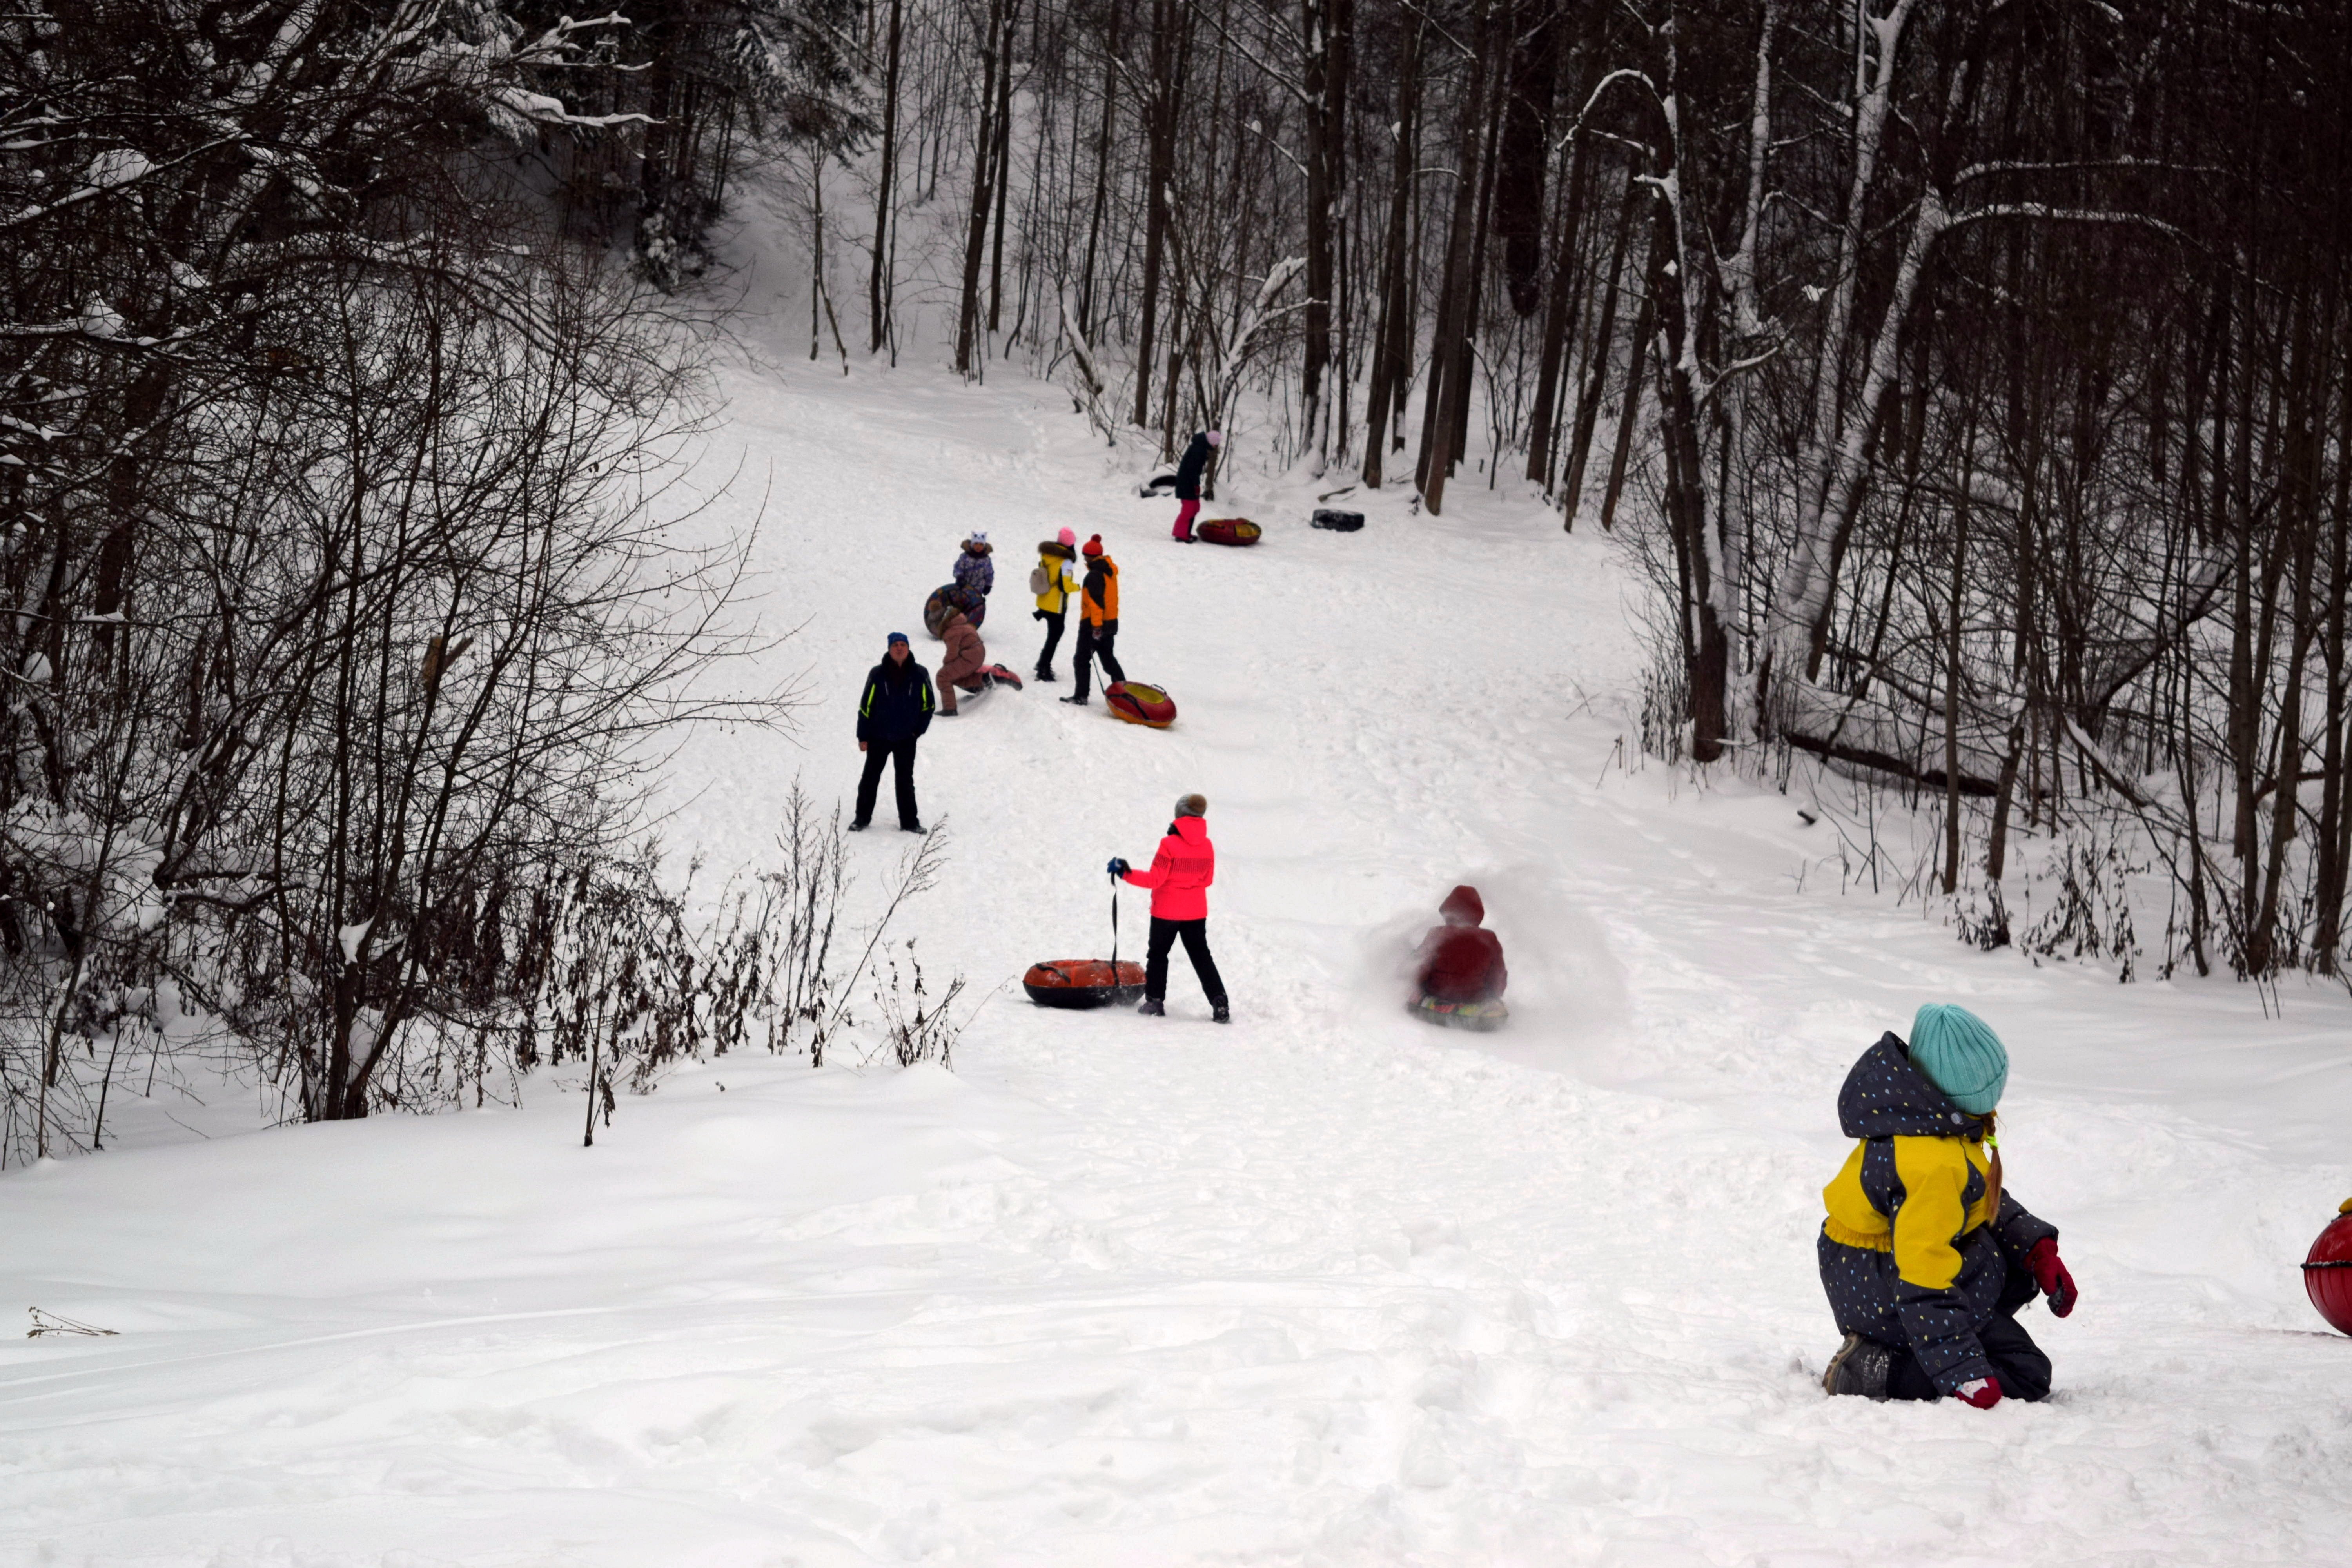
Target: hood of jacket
1463	907
1056	549
1885	1096
1193	830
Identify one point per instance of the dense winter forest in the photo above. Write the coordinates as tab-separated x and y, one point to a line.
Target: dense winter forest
1973	376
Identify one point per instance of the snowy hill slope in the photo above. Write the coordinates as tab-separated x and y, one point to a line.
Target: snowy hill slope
1322	1288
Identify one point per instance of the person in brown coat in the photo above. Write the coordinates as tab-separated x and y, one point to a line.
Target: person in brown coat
965	667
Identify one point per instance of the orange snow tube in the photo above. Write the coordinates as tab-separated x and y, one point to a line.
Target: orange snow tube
1229	531
1139	704
1083	982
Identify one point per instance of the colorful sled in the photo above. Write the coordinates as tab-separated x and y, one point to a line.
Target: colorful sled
1481	1016
1339	521
950	596
1139	704
1083	982
1229	531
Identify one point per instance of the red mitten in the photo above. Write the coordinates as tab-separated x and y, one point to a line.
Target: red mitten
1984	1392
2052	1275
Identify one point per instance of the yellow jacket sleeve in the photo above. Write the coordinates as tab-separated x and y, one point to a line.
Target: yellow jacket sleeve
1928	1224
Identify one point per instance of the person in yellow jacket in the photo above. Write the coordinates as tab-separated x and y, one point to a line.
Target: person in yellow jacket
1050	581
1926	1260
1097	618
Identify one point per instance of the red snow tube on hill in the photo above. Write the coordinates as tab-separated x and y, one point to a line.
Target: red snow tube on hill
1229	531
1083	982
2327	1272
1139	704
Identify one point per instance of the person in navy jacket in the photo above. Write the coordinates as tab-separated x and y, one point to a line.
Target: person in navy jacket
892	714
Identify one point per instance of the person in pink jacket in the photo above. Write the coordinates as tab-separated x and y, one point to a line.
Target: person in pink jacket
1179	879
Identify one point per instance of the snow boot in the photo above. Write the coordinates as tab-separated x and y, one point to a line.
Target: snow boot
1861	1366
859	827
1077	701
1044	674
912	827
1152	1009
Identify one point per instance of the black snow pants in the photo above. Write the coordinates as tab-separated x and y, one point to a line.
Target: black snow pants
1097	642
869	783
1196	948
2017	1360
1053	620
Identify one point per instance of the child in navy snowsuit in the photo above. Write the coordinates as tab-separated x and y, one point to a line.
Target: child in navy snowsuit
1926	1260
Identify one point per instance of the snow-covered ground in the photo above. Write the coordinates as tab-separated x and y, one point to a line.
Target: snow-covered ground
1325	1286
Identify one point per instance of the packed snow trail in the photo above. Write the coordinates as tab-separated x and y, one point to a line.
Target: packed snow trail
1325	1287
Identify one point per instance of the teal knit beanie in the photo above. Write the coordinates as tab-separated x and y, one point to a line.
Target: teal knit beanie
1959	1052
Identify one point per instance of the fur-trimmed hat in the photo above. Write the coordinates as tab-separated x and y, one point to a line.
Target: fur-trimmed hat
1194	805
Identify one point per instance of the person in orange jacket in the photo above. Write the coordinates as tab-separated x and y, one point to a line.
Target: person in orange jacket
1097	618
1179	879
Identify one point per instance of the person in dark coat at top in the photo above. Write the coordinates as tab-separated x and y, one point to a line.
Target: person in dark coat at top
1461	960
1926	1260
1194	463
892	714
1179	879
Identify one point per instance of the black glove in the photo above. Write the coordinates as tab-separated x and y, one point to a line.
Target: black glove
1118	868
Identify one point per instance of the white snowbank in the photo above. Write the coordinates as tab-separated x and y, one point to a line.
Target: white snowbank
1322	1288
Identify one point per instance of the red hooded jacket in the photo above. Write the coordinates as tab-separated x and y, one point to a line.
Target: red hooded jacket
1460	962
1181	873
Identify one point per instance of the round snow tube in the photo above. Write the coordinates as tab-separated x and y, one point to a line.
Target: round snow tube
1083	982
1480	1015
950	596
1229	531
1139	704
2327	1272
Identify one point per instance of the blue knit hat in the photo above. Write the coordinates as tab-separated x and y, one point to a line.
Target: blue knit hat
1962	1055
901	637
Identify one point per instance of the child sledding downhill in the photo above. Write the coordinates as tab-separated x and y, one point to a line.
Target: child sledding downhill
1926	1260
1459	975
1179	879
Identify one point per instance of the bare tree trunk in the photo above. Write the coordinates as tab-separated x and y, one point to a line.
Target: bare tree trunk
1167	86
993	57
1587	405
1449	361
877	291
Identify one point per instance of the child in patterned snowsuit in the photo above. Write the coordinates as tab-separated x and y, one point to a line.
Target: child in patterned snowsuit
1927	1262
